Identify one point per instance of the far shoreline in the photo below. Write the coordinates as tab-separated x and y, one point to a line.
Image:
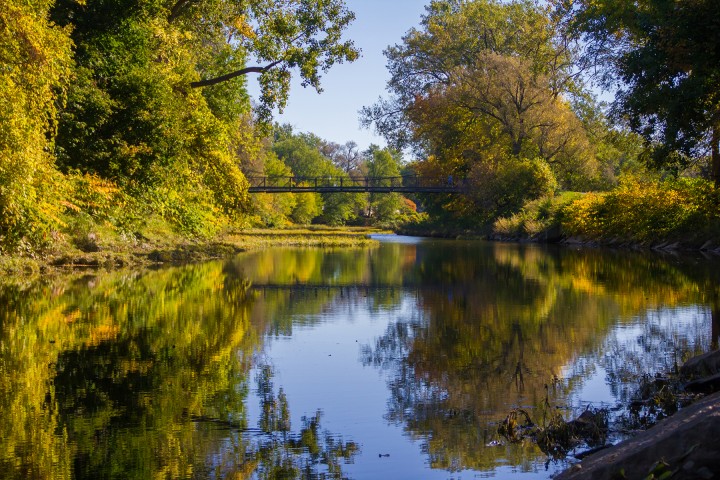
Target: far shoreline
144	252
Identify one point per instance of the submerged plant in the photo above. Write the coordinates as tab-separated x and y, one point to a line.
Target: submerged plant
657	397
516	425
557	437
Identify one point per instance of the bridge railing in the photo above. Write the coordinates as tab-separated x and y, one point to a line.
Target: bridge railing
404	183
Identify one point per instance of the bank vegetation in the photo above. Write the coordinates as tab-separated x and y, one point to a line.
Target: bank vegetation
125	124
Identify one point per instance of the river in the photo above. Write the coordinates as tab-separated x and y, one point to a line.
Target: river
391	361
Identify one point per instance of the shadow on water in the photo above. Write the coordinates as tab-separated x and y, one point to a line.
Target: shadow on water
148	374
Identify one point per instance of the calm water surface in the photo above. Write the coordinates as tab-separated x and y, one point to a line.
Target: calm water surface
396	361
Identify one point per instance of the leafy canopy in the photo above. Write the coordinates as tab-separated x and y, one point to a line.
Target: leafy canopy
665	57
279	35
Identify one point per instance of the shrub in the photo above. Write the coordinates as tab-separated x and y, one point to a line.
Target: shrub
642	211
537	216
504	188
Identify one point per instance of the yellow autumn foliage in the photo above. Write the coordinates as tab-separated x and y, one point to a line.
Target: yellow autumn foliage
639	210
35	66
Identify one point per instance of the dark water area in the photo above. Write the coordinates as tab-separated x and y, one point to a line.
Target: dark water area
392	361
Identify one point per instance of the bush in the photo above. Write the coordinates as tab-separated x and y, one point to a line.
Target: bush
536	217
641	211
504	188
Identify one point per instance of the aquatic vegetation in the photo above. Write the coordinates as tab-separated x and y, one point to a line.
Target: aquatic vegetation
557	437
657	397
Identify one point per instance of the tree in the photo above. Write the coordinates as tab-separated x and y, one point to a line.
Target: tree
133	116
301	152
453	34
129	119
483	86
665	57
384	207
275	209
346	157
518	108
35	58
280	36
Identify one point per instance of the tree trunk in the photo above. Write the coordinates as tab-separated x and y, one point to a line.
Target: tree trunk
715	325
715	156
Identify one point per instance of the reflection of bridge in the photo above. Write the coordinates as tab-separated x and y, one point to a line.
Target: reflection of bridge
350	288
305	287
402	184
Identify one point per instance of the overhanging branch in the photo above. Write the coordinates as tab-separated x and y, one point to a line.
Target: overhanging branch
228	76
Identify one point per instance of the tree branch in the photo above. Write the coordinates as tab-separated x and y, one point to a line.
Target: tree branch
231	75
177	9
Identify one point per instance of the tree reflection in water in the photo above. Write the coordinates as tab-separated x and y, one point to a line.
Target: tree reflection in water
526	327
281	454
146	375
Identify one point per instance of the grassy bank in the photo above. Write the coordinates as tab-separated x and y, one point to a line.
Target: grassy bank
104	249
680	214
671	214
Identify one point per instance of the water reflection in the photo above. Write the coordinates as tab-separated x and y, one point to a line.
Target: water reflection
157	374
504	329
129	375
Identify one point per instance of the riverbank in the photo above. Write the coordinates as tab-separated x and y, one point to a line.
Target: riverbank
554	234
640	214
110	252
680	446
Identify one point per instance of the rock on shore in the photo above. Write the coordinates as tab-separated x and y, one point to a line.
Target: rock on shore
685	446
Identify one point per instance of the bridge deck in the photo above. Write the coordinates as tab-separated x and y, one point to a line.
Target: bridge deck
403	184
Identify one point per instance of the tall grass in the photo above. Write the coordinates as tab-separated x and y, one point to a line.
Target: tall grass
536	217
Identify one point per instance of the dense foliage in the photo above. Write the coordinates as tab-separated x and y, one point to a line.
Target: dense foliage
117	116
642	211
116	112
35	62
664	57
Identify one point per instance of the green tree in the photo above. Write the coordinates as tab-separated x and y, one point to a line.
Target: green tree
484	86
301	152
665	55
302	161
275	209
384	208
128	118
34	71
308	206
136	113
280	36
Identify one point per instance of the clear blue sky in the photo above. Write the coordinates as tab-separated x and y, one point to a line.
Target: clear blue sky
347	87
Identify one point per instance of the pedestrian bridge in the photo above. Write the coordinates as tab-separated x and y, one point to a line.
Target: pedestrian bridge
352	184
